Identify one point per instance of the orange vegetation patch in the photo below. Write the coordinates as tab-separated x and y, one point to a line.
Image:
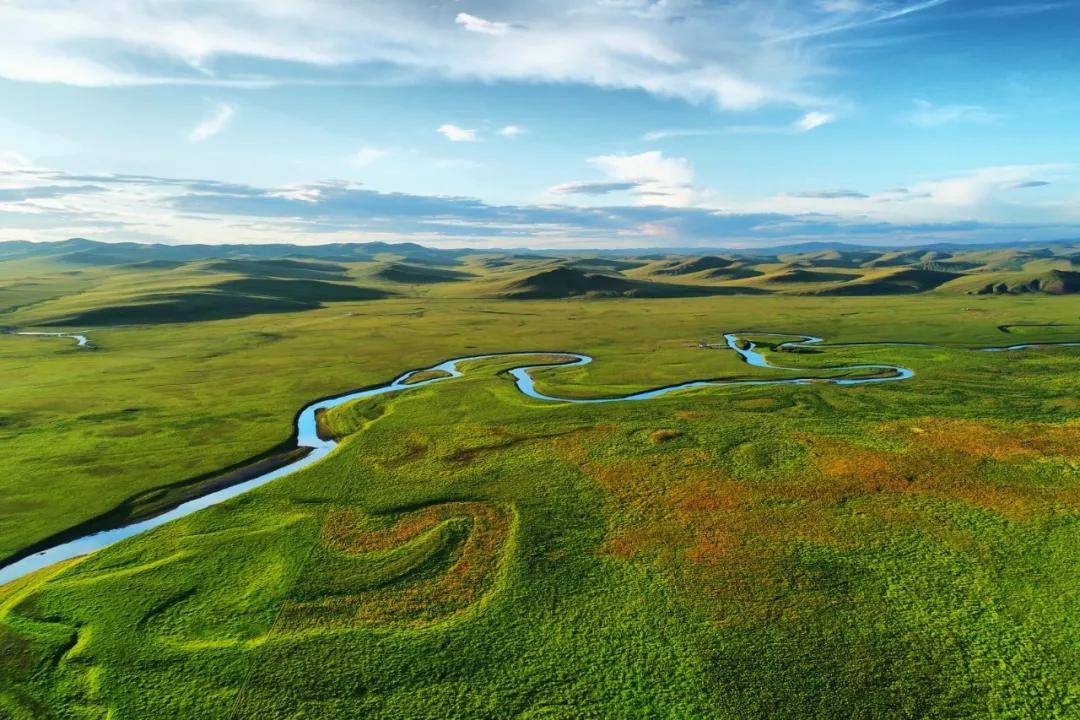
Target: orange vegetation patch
717	539
724	540
449	579
575	447
1012	442
840	470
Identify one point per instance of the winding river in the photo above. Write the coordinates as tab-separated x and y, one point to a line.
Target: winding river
80	340
307	435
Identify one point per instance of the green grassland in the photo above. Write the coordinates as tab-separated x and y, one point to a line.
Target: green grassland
901	550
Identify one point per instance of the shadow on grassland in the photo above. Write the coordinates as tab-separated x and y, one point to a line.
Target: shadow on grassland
229	299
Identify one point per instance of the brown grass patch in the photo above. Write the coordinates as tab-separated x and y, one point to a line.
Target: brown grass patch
955	473
659	437
1015	442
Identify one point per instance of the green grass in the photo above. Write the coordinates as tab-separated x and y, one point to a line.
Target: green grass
902	550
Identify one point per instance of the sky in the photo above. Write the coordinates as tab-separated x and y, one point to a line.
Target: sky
565	123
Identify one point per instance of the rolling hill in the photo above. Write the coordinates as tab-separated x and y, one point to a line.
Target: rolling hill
903	281
418	274
562	282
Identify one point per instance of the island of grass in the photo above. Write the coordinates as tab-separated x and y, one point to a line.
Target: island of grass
425	375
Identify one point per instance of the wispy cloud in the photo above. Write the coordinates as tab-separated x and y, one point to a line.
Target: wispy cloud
854	16
812	120
929	115
213	123
454	133
723	54
511	131
832	194
475	24
805	123
594	188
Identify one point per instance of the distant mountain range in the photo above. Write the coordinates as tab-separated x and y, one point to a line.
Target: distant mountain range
82	282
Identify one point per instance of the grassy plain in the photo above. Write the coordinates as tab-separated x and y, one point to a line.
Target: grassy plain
902	550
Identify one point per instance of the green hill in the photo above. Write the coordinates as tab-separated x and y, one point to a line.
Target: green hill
801	275
418	274
694	265
1051	282
280	268
899	282
228	299
564	282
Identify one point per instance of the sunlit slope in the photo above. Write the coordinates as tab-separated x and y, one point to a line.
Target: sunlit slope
1053	282
195	291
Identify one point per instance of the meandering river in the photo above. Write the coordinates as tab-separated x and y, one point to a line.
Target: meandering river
307	433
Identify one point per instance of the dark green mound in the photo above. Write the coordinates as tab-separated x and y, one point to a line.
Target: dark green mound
902	282
280	268
415	274
564	282
732	273
603	264
693	265
800	275
228	299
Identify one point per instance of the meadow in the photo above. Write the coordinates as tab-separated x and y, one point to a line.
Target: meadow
902	550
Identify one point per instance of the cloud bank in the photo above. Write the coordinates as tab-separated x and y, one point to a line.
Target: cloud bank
43	204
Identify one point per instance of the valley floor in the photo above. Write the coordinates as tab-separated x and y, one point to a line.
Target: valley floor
901	550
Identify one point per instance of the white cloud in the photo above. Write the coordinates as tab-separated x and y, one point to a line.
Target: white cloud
981	204
368	155
985	194
453	133
929	115
807	122
812	120
650	177
212	124
735	55
476	24
511	131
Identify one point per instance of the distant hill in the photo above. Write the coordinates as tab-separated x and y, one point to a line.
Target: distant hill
280	268
91	252
1052	282
693	265
87	282
227	299
802	275
562	282
899	282
418	274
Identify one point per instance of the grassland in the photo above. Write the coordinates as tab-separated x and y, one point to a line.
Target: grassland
904	550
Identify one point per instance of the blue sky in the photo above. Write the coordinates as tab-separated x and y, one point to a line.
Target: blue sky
567	123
